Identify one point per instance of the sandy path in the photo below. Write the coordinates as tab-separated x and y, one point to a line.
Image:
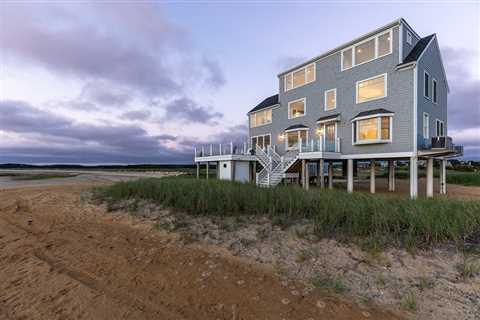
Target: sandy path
64	259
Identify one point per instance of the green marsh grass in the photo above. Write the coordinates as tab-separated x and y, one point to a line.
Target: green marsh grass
364	218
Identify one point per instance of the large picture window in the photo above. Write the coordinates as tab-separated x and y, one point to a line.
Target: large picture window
262	141
260	118
293	138
367	50
372	130
300	77
296	108
372	88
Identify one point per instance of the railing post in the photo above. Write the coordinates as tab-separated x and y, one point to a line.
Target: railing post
203	151
244	148
231	147
300	145
195	151
220	148
211	149
311	147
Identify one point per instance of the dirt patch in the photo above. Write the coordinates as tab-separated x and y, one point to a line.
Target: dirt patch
63	258
429	284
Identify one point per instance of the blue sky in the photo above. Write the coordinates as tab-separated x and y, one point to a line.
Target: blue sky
144	82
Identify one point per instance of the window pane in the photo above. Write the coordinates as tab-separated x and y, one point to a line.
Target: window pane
297	109
252	120
371	89
288	82
310	73
260	142
425	126
292	139
365	51
367	129
331	99
299	78
267	140
347	59
303	135
254	142
268	116
426	84
434	89
384	44
260	118
385	128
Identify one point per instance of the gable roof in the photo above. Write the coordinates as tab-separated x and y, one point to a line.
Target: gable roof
372	112
266	103
417	51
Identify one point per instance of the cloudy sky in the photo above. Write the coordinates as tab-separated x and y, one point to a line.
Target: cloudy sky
140	82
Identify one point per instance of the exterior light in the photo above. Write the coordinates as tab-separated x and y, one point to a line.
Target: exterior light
281	137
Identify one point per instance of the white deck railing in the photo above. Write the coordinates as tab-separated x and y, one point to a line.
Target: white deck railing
223	149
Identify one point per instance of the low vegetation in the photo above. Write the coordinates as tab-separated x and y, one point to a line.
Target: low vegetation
364	218
464	178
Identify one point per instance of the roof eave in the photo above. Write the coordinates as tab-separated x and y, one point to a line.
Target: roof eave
268	107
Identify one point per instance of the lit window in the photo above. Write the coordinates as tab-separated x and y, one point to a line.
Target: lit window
294	137
330	99
426	125
384	44
368	50
371	89
288	82
409	38
434	90
365	52
262	141
347	59
296	108
260	118
372	130
426	84
300	77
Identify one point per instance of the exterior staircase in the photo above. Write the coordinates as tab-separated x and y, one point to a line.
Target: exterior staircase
274	165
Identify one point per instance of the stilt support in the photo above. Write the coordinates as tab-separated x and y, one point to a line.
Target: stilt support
207	165
330	175
430	178
307	175
391	175
372	176
443	176
350	175
198	170
320	179
413	177
303	173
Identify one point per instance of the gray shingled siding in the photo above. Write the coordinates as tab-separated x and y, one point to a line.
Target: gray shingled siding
328	75
431	63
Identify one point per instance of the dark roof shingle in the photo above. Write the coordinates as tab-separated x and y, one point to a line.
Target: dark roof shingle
268	102
330	117
371	112
296	126
418	49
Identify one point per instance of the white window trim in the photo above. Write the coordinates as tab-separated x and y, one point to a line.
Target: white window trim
374	77
255	114
427	126
428	84
298	135
437	125
325	99
304	107
306	82
261	135
409	37
376	56
435	94
355	140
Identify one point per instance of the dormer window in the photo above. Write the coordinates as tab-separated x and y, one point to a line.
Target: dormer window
300	77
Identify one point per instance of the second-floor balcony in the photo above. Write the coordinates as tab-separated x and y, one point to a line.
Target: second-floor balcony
439	145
